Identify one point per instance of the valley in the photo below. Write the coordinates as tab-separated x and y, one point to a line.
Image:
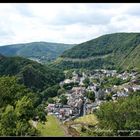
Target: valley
89	89
85	92
69	70
42	52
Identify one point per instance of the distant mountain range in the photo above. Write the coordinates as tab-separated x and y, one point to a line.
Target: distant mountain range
111	51
38	51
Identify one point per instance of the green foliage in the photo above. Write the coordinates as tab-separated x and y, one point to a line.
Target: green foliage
51	91
69	74
61	91
24	108
43	51
11	125
42	116
110	81
63	99
17	106
86	82
121	115
89	64
50	100
68	86
112	51
32	74
108	96
102	45
39	112
23	128
8	122
11	91
90	95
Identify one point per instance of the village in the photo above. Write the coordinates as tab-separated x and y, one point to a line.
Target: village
96	82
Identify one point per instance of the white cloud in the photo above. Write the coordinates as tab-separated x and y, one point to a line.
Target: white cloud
67	23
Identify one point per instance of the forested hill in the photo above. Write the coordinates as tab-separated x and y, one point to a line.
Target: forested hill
108	51
32	74
1	56
41	51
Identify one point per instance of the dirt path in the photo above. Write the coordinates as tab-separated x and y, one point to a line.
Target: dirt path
65	130
34	123
69	131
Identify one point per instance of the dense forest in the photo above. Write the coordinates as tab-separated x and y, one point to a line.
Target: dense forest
25	86
120	118
18	105
32	74
108	51
43	51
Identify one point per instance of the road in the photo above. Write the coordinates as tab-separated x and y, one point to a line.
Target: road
83	109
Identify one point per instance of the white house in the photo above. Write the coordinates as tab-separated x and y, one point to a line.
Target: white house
136	88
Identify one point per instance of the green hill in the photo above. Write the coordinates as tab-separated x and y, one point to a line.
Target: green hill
32	74
39	51
118	50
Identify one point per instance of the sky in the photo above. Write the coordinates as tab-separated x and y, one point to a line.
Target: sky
70	23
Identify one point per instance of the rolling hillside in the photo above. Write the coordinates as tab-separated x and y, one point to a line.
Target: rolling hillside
118	50
30	73
39	51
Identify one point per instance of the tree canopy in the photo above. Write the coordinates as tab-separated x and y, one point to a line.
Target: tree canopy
121	117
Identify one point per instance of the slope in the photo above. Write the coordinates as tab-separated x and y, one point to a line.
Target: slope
108	51
41	51
32	74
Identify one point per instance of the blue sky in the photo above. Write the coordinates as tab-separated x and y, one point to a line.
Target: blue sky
65	23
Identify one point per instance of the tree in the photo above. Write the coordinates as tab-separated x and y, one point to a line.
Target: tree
91	95
68	86
11	91
17	105
8	90
86	82
42	116
23	128
40	112
50	100
69	74
61	91
121	115
108	97
8	122
63	99
24	108
51	91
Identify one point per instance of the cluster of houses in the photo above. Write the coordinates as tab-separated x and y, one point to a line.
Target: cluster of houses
78	104
74	105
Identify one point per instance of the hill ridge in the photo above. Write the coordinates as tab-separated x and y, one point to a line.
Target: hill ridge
117	47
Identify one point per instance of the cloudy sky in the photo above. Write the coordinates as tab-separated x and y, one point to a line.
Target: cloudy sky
65	23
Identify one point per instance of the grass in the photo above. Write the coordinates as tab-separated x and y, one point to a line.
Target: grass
58	60
51	127
90	119
84	121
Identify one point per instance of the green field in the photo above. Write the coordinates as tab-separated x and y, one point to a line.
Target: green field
52	127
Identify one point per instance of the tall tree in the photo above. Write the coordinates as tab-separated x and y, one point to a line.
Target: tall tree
24	108
8	122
